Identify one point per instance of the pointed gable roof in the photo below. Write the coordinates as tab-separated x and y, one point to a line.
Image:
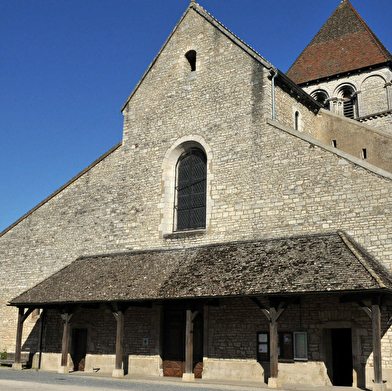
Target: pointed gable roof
193	6
343	44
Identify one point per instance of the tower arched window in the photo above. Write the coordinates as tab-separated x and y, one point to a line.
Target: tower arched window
348	95
321	97
190	190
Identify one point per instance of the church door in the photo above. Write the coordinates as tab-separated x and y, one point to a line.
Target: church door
174	343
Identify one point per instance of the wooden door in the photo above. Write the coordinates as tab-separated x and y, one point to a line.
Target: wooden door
174	344
79	348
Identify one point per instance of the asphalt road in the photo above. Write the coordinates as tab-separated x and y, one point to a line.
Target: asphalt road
30	380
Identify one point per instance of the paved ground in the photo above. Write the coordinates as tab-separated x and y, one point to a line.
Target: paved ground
32	380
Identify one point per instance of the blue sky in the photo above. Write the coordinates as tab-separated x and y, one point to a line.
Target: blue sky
67	67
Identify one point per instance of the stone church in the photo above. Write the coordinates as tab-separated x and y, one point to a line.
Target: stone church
242	229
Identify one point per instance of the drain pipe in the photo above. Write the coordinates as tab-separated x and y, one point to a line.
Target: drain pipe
273	91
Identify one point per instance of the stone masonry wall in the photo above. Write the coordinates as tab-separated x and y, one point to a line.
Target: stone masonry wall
382	122
353	137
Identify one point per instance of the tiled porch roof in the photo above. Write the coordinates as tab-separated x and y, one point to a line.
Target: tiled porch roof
320	263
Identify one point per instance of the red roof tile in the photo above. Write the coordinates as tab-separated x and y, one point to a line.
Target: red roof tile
343	44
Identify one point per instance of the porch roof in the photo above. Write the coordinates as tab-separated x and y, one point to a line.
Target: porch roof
320	263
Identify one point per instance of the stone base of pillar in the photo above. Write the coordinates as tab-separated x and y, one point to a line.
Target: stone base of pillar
274	382
63	369
188	377
380	386
17	366
118	373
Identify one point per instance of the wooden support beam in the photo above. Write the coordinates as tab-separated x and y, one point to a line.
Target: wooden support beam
376	329
189	375
375	315
22	316
277	306
273	343
120	317
66	317
18	349
367	310
118	370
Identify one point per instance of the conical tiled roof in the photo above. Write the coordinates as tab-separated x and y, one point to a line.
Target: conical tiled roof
343	44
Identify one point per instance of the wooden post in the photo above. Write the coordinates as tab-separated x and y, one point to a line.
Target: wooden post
273	381
65	342
119	370
273	344
189	375
18	349
376	330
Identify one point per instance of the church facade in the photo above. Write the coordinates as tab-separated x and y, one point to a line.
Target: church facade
235	232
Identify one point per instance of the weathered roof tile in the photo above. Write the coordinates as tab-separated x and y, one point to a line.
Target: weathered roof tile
301	264
345	43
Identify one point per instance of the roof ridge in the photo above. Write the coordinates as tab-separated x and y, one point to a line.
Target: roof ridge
227	29
361	259
369	30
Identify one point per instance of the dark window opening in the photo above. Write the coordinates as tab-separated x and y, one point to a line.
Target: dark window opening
349	102
334	143
191	57
322	98
364	153
190	203
296	120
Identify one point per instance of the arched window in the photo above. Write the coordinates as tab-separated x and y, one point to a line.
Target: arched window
191	57
321	97
190	197
347	93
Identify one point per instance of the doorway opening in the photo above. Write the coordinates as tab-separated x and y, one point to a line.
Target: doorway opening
342	360
79	349
174	343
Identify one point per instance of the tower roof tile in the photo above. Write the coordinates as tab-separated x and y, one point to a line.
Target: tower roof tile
345	43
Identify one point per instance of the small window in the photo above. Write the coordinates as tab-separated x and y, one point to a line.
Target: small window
191	57
364	153
300	345
190	205
334	144
296	120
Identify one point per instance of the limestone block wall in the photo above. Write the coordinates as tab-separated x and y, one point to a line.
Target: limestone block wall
355	138
381	122
286	107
